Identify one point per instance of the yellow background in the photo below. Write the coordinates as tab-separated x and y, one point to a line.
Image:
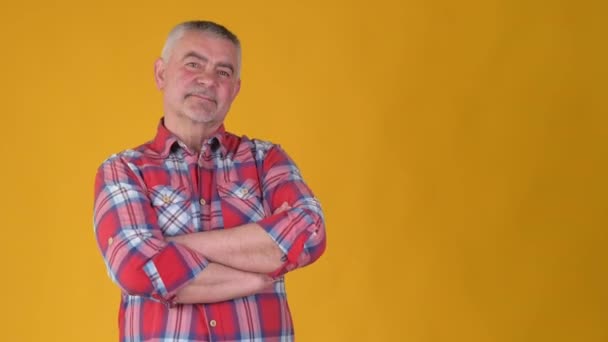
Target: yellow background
459	149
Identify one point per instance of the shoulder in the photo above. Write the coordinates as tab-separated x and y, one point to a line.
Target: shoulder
128	158
269	153
238	144
263	147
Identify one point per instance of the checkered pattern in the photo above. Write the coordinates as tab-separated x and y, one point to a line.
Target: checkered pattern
161	189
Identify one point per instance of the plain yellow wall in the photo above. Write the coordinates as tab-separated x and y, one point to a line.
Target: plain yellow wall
459	149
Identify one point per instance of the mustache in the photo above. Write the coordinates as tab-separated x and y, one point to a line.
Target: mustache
201	92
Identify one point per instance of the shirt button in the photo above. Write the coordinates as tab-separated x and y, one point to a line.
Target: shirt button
110	240
212	323
245	191
202	201
166	199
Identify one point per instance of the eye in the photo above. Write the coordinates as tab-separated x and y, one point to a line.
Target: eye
223	73
193	65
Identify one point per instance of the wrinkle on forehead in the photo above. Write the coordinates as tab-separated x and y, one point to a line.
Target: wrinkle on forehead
192	35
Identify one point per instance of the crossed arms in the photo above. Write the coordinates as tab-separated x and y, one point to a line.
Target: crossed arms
207	266
241	258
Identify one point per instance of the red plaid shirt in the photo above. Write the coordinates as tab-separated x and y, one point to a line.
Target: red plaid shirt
161	189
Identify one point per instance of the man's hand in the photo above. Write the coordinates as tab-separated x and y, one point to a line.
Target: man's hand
284	207
218	283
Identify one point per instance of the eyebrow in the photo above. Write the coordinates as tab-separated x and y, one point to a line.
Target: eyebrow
205	59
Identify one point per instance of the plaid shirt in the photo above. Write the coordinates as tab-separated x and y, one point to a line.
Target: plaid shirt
162	189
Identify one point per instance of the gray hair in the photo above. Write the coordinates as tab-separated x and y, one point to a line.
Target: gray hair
202	26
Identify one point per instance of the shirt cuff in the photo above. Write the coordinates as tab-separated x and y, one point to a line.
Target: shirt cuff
289	230
171	269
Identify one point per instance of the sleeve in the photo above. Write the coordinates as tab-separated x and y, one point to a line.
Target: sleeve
137	257
300	231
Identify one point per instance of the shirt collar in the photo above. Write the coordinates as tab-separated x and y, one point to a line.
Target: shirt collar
165	140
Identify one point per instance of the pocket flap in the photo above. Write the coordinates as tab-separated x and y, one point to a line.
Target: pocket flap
162	195
241	189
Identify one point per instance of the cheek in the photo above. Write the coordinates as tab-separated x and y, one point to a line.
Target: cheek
174	94
182	80
179	85
227	92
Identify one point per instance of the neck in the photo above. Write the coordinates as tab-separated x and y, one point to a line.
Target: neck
191	133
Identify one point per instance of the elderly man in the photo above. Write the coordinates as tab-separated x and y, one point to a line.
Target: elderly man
199	226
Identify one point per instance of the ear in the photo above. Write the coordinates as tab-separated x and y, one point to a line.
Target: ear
159	73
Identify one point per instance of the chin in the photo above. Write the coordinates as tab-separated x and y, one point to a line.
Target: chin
201	118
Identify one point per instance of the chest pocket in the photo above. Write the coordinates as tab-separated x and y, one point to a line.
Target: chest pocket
241	202
172	206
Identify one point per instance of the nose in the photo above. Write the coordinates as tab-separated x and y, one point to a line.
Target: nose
206	78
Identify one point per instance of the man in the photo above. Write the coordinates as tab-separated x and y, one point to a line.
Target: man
199	226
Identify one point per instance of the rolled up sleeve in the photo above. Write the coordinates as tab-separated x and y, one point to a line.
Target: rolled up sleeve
299	231
137	257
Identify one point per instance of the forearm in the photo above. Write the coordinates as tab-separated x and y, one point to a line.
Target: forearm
219	283
247	247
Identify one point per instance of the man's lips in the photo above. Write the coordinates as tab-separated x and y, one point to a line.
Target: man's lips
202	97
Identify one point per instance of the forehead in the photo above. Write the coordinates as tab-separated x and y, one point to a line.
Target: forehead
206	44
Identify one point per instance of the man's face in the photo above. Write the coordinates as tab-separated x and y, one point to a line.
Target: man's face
200	79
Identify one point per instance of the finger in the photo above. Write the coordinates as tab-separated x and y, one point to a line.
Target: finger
282	208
